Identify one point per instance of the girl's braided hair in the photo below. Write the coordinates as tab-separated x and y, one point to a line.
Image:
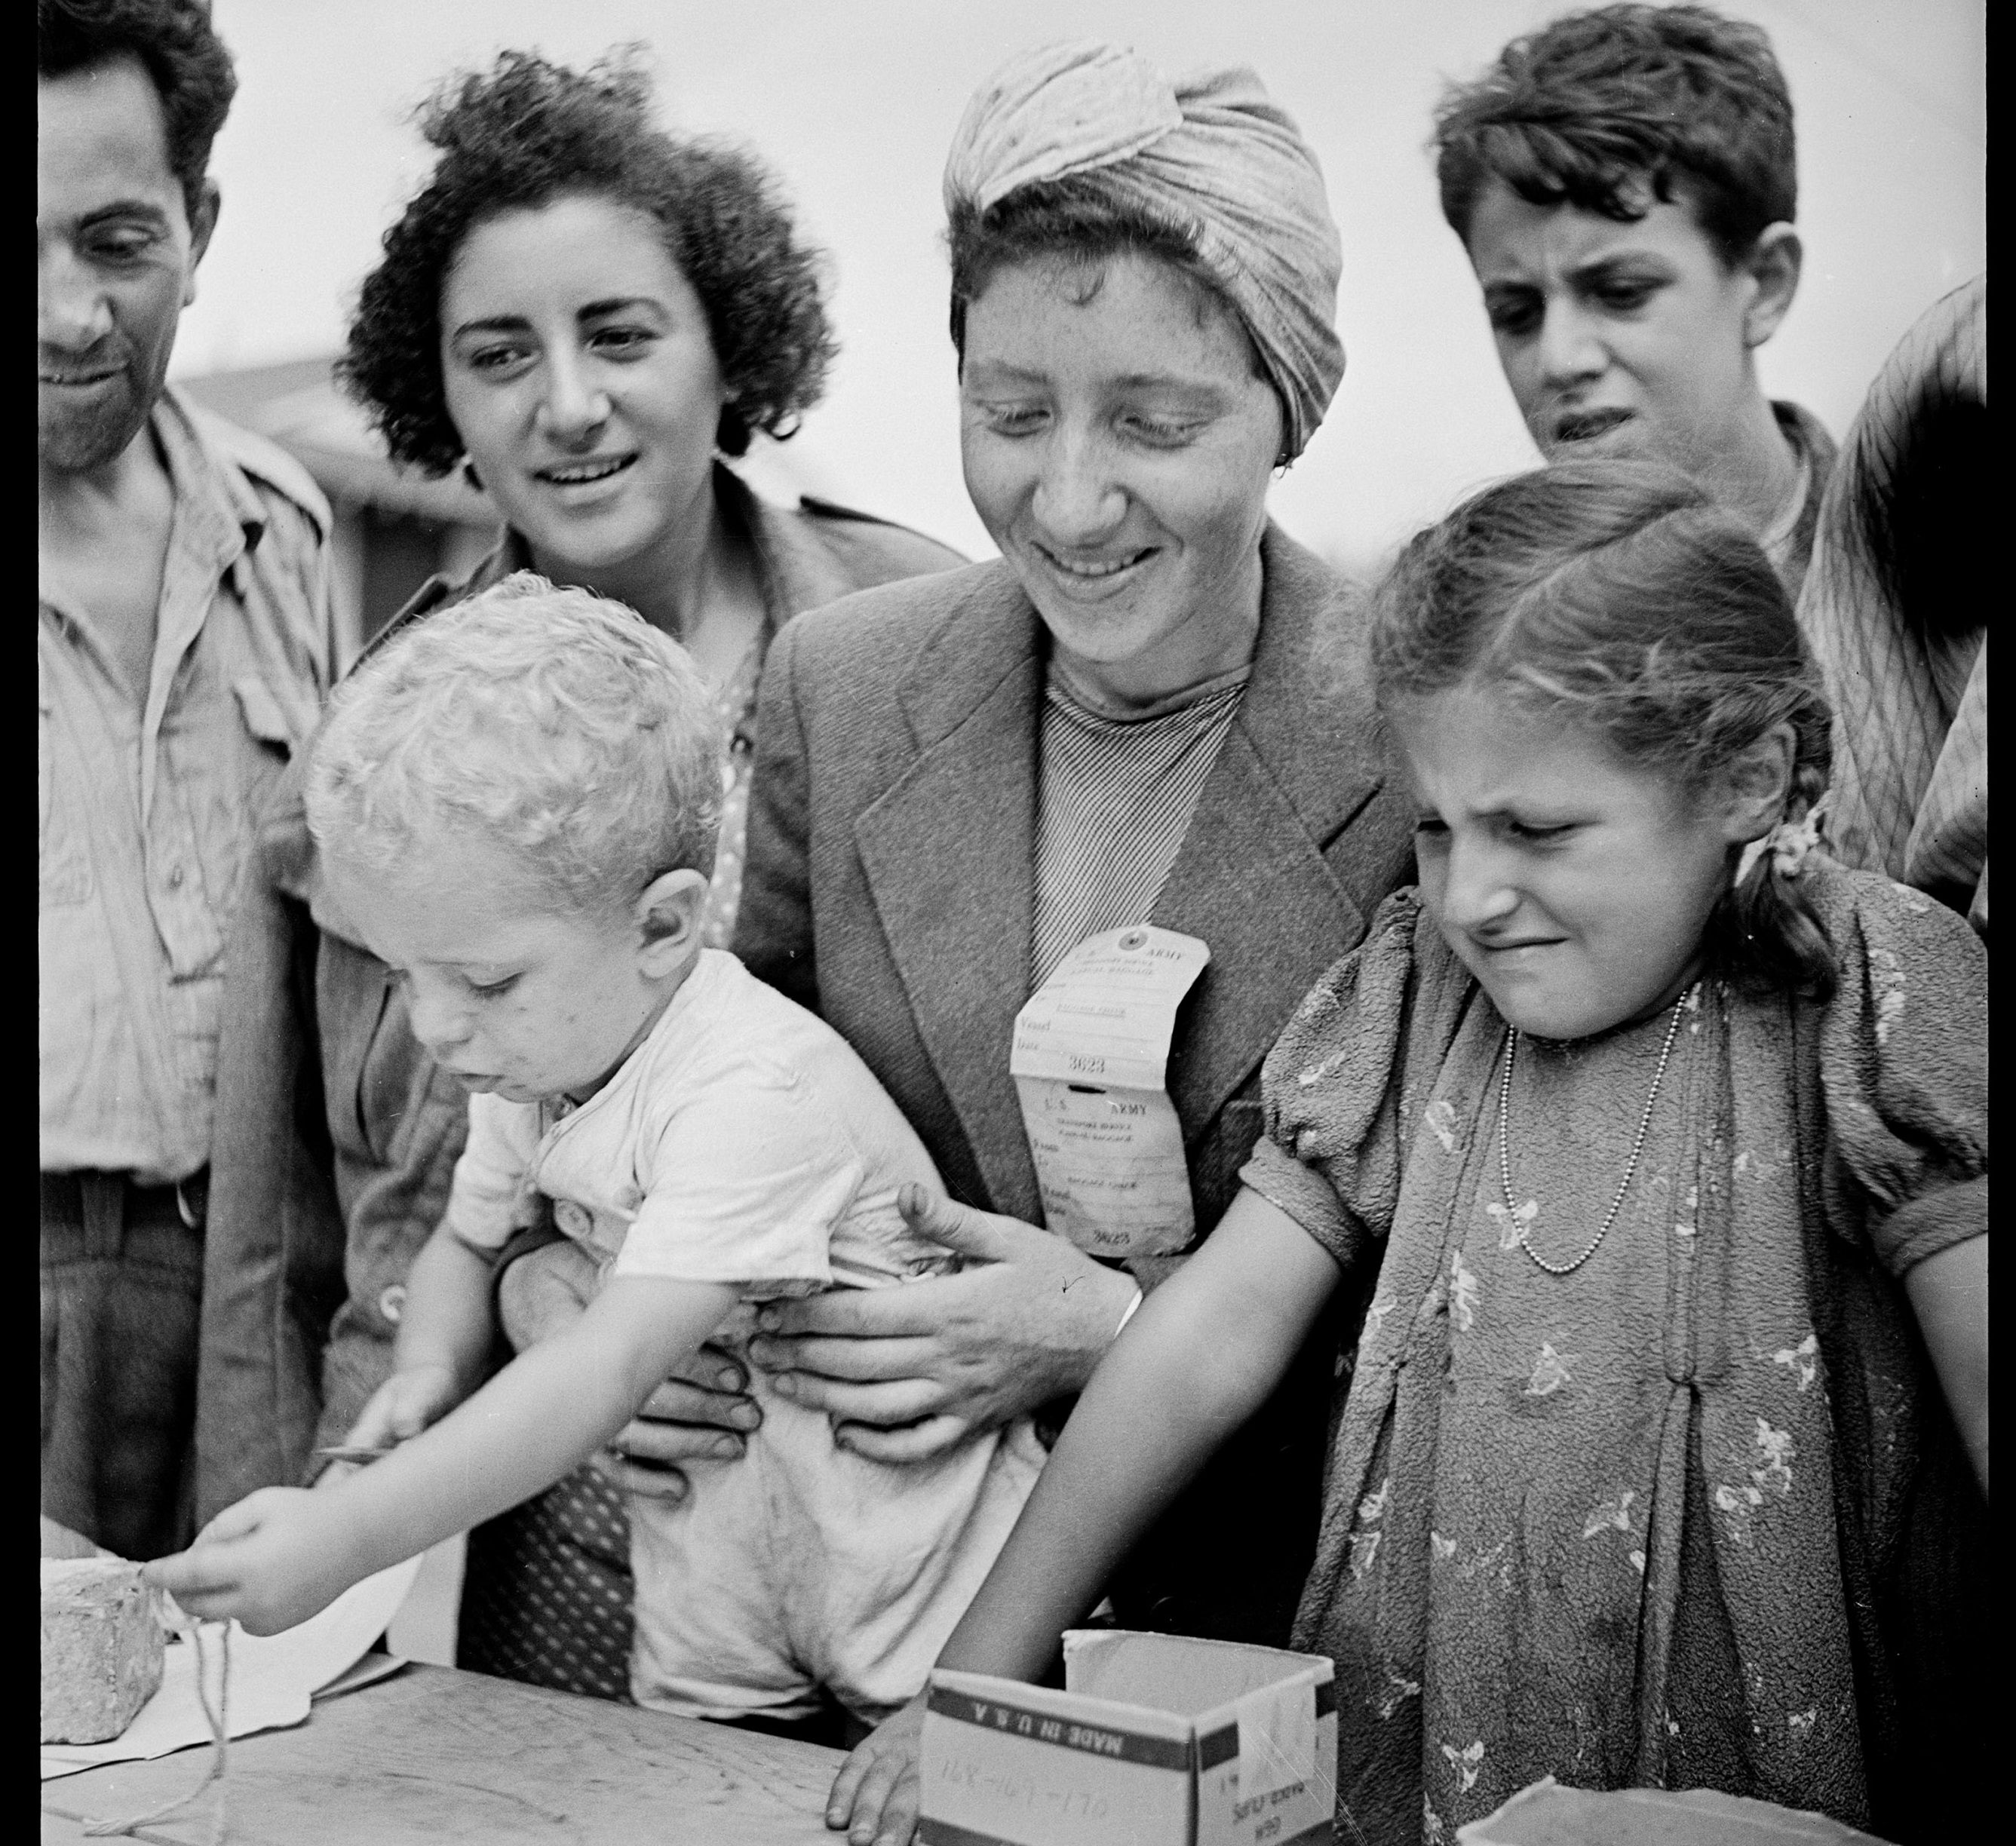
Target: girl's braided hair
526	132
1618	597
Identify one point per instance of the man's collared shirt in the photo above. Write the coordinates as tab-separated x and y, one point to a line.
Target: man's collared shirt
146	814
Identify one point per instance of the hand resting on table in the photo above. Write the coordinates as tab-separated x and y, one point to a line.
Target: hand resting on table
910	1373
875	1797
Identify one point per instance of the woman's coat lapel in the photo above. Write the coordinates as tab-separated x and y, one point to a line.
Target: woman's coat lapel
1299	763
950	852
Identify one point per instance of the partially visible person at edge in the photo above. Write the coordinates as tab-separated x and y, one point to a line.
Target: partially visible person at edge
587	314
1150	708
183	643
1893	610
1625	180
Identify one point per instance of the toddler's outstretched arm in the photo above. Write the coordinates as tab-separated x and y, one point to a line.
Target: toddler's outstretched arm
1200	1357
281	1554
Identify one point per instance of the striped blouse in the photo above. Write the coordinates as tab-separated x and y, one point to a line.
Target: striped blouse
1115	798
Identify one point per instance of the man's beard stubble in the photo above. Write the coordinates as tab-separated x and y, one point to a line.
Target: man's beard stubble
74	437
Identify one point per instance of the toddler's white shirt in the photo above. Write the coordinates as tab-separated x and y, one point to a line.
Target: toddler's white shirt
743	1141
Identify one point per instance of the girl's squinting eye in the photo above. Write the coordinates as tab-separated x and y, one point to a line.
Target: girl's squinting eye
491	990
1514	314
1432	827
1521	830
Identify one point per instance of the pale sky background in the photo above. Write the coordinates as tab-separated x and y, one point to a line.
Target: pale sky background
854	101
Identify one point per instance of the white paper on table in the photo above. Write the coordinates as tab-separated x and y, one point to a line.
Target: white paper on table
1090	1060
273	1677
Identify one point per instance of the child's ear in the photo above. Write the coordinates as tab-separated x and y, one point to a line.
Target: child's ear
1756	783
668	914
1772	265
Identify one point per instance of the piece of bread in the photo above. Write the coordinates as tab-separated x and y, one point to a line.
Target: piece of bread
102	1647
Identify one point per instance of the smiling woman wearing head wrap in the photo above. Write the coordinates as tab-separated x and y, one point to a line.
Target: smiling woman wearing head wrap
1136	714
1209	160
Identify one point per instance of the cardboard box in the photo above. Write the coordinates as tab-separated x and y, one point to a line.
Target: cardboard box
1157	1740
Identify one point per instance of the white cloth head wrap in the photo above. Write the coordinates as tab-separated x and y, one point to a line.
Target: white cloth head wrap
1210	155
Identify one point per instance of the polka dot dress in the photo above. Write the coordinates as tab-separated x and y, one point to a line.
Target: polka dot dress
735	706
546	1596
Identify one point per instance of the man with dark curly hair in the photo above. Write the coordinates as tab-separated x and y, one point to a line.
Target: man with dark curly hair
1624	181
182	647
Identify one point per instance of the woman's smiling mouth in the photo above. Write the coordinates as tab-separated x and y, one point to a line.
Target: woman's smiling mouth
1091	570
584	473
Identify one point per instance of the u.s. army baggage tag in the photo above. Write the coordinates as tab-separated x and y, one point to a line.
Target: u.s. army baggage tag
1090	1061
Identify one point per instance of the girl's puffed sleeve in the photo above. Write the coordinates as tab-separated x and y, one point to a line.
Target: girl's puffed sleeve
1904	1069
1329	1155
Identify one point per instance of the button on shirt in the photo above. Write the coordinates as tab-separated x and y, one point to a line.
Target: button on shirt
146	813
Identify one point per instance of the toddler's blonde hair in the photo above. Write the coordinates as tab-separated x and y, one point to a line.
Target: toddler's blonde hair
552	723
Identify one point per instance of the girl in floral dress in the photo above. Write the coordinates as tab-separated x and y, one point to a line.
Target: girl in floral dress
1667	1139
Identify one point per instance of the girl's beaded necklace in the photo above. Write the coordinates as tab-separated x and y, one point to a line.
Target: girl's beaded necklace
1523	1218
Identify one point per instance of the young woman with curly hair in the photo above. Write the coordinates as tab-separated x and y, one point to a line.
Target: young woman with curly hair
585	314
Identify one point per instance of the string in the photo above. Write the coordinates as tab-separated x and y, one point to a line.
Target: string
1325	1788
219	1721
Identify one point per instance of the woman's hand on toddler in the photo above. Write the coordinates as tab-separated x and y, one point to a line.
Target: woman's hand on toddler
874	1798
909	1373
270	1561
701	1413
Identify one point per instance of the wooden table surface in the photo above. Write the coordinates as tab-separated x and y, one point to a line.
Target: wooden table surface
437	1758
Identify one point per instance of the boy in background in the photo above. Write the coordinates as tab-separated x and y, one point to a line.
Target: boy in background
1624	181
